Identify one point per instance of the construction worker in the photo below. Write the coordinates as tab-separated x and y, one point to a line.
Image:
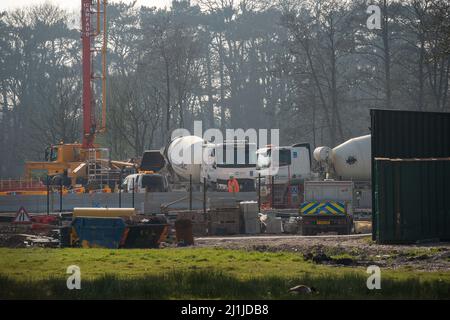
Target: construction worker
233	185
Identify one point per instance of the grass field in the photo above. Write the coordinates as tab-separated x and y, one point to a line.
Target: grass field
198	273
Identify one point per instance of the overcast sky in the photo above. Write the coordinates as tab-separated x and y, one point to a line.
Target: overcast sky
76	4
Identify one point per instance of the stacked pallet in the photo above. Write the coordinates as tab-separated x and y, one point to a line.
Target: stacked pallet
198	219
250	215
291	226
273	224
222	203
224	221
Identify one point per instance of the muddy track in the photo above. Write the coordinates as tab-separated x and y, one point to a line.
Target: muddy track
344	250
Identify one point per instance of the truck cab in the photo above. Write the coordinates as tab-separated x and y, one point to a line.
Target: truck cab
150	176
327	207
218	166
291	165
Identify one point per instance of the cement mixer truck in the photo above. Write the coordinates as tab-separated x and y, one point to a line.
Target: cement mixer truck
190	157
348	161
184	159
342	190
328	197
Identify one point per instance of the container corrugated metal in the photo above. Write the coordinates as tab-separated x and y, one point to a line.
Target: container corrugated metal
411	200
407	134
410	134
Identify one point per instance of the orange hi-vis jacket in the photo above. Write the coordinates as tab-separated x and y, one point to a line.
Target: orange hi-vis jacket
233	185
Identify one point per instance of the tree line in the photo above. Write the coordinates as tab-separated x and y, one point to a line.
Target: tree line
310	68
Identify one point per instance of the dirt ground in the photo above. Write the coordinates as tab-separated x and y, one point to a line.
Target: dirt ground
342	250
349	251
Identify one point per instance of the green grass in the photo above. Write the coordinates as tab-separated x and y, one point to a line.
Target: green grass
195	273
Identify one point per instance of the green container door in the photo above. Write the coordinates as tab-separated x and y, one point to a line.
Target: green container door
384	201
413	134
412	200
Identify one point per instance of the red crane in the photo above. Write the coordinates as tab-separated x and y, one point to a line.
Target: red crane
84	162
88	34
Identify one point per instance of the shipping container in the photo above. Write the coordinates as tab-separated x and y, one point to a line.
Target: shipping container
410	134
407	134
411	200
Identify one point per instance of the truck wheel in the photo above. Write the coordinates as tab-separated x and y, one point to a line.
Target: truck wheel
81	180
92	186
56	180
112	185
351	227
307	232
344	230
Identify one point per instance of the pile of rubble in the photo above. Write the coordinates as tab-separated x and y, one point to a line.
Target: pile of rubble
224	217
49	239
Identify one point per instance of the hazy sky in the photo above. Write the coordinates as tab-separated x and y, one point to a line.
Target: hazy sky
76	4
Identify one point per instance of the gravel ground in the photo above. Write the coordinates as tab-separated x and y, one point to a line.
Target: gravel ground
347	251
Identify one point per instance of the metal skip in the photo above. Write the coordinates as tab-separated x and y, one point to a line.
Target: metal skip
99	232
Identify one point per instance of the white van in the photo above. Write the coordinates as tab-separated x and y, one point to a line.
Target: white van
145	182
149	178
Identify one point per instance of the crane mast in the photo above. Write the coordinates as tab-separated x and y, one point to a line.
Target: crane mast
84	163
88	34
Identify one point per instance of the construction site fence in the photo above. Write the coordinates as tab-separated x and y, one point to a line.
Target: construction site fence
22	184
147	203
282	196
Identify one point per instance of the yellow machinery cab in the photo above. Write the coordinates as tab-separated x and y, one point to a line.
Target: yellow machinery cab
62	159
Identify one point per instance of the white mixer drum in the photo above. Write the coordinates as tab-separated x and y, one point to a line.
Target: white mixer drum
352	159
185	156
